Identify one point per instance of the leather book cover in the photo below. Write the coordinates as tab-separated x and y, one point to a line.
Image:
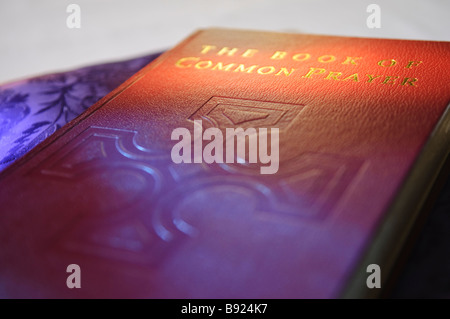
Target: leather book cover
337	142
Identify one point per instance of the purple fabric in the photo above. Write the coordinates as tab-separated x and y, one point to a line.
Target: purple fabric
33	109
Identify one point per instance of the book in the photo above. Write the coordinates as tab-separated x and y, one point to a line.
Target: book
239	164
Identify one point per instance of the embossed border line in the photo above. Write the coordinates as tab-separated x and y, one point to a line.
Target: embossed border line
98	105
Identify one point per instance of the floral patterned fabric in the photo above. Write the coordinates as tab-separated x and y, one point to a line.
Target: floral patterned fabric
33	109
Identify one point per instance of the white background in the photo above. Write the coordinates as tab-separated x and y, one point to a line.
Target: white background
34	38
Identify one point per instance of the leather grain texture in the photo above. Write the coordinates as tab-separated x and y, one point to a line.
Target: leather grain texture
140	225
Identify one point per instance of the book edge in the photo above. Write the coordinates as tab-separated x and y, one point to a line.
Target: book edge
393	232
